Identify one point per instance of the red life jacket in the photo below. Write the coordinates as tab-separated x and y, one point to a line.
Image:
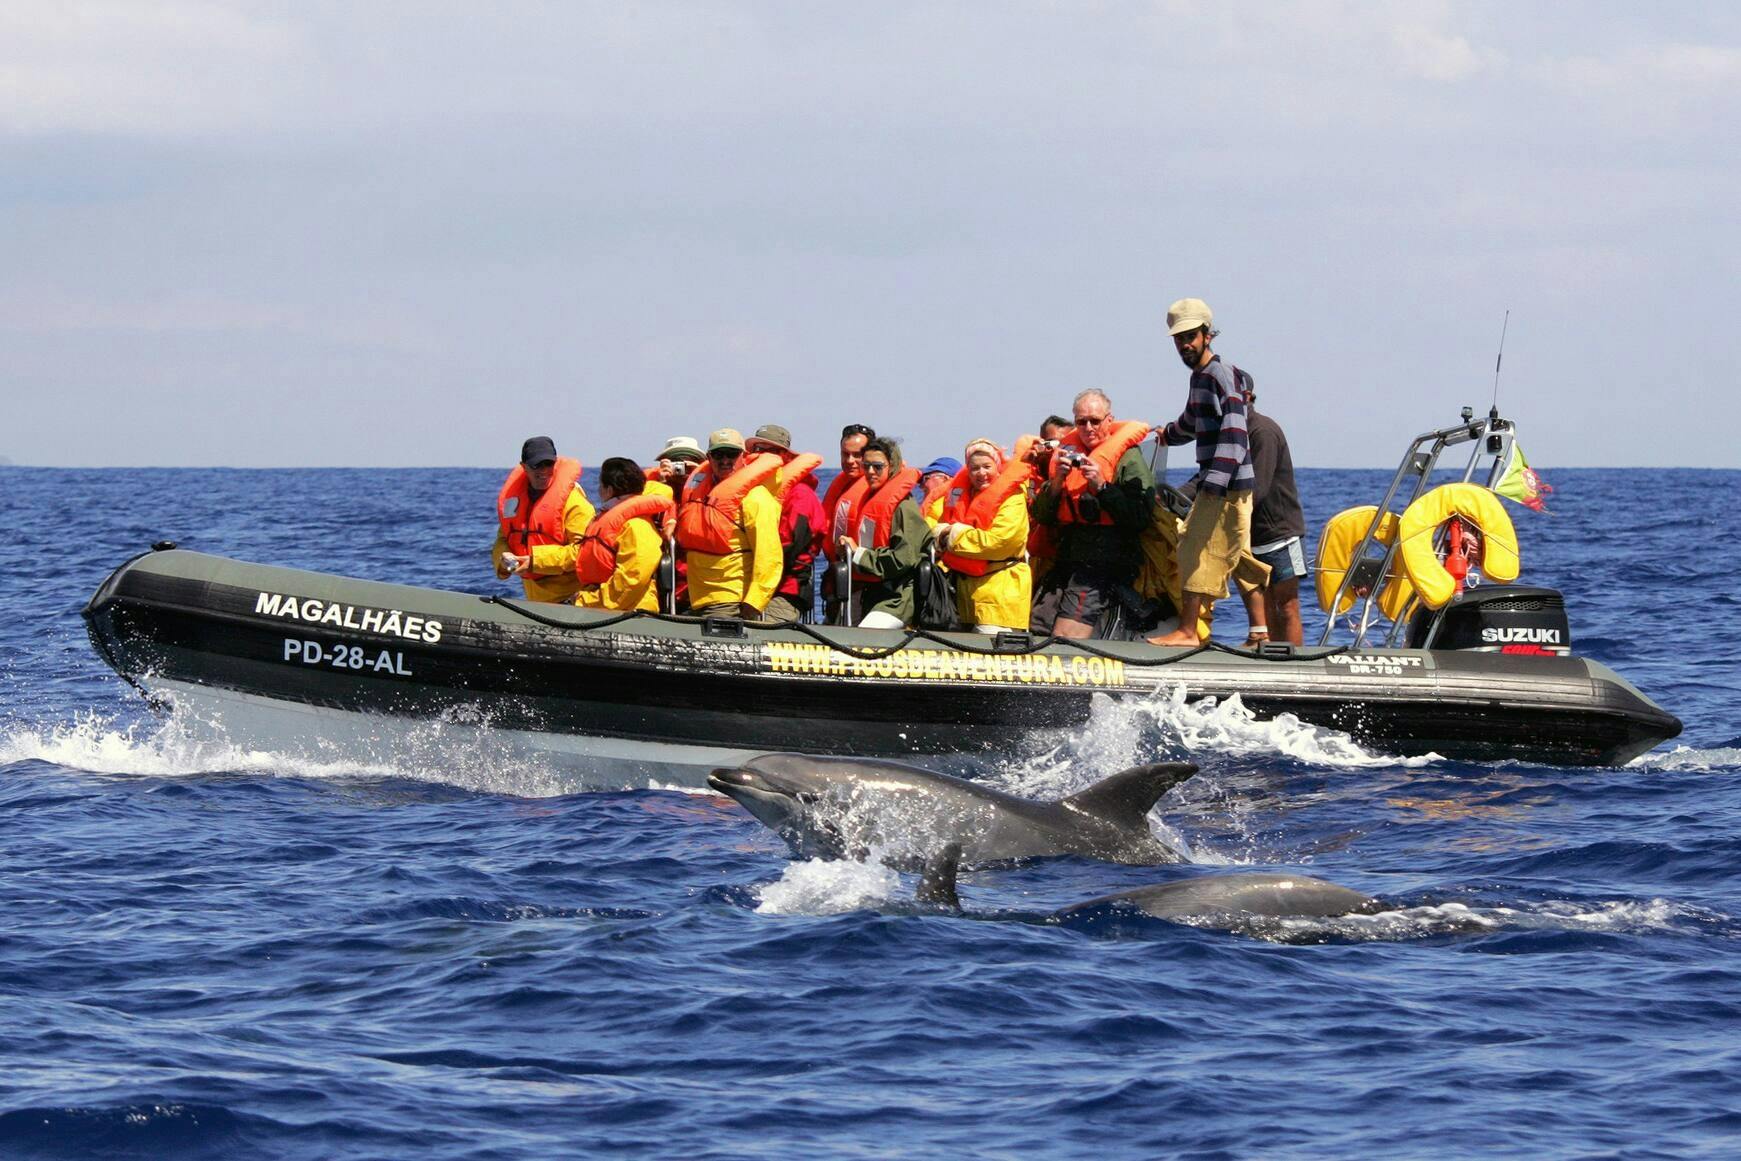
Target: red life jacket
526	524
1124	435
708	517
597	558
980	510
874	517
794	473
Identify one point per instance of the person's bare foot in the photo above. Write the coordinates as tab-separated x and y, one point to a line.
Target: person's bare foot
1178	637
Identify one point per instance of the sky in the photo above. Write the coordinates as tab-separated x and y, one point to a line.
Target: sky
412	234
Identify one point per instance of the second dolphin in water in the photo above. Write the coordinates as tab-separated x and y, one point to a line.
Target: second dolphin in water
848	807
1226	901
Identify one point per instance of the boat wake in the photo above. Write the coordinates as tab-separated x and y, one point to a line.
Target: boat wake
187	746
1687	759
1125	732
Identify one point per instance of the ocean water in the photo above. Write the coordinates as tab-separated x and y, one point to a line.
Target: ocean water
215	951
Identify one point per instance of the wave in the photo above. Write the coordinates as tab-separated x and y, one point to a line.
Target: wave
1632	917
818	887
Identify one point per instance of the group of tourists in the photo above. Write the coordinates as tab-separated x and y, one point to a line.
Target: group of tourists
1066	533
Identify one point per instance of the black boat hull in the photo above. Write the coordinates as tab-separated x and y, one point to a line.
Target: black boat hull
182	624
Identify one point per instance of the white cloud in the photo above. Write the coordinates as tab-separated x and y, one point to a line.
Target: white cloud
1434	55
152	67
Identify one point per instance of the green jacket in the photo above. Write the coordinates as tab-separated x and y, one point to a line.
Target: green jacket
896	565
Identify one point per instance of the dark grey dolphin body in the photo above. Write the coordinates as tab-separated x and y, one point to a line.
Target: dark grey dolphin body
848	807
1229	901
1241	895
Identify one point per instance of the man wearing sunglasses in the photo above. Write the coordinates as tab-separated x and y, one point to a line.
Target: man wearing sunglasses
1218	527
1098	506
885	549
728	526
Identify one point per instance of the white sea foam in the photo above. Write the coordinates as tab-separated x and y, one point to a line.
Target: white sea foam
1618	916
160	750
1685	758
828	887
1125	731
435	750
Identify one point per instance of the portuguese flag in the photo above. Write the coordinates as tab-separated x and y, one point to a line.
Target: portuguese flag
1522	482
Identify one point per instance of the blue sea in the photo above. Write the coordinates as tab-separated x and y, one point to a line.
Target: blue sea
212	950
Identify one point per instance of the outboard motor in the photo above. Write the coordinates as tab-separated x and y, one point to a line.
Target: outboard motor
1497	619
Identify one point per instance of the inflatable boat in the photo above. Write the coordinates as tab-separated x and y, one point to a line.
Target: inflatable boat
304	661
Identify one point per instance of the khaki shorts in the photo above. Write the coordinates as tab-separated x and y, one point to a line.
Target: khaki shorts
1217	532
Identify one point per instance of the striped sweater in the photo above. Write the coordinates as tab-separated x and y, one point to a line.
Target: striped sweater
1215	417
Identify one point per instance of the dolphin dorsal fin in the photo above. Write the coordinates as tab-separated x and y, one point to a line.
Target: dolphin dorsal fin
1126	797
938	884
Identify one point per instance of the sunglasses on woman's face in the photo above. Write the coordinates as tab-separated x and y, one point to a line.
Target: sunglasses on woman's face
875	467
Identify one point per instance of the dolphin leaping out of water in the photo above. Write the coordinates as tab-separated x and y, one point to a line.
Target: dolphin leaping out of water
847	807
1227	901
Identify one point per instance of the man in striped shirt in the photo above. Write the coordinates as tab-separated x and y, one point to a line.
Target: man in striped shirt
1218	530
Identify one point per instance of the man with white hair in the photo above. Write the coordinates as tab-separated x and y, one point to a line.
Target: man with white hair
1218	529
1099	496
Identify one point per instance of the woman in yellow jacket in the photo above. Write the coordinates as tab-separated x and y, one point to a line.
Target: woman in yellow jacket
618	558
985	541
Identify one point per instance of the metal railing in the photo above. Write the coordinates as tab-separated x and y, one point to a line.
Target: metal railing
1367	575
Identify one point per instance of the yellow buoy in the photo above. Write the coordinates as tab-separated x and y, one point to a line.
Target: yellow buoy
1420	560
1341	536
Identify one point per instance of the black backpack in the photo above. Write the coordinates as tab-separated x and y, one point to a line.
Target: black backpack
933	594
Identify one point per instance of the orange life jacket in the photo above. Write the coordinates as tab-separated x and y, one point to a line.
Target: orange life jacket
597	558
708	517
979	511
831	499
874	517
1124	435
841	510
937	496
794	472
527	524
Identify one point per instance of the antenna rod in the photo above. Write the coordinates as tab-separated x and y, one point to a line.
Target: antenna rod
1503	327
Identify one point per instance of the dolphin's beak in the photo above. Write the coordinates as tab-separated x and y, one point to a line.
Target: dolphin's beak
725	779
